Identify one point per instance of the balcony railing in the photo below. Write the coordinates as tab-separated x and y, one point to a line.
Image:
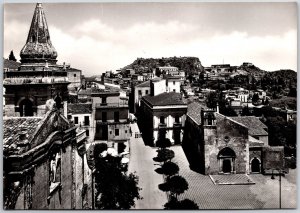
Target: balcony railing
41	80
113	105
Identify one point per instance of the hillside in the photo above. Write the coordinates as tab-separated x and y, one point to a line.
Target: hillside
251	69
188	64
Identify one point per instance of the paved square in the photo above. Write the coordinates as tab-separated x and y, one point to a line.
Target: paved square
263	194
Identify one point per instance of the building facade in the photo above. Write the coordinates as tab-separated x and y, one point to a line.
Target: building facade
110	116
162	116
217	144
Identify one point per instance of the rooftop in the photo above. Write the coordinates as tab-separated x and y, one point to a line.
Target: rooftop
254	125
144	84
194	111
13	127
80	108
164	99
9	64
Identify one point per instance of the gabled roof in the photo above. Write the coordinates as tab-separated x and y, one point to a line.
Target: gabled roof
80	108
164	99
254	125
194	111
144	84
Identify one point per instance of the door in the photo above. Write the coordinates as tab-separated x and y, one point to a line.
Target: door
226	165
255	167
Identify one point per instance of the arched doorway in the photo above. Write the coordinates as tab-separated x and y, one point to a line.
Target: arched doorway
255	165
226	159
26	108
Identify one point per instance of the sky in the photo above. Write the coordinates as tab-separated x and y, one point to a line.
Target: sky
96	37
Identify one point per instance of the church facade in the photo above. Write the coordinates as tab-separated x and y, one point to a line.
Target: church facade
217	144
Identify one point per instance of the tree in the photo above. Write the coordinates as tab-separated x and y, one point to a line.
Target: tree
11	56
164	155
115	189
169	168
176	185
211	100
163	143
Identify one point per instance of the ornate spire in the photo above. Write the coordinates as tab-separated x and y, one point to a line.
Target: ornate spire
38	47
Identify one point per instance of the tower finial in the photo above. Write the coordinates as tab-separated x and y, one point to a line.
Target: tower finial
38	47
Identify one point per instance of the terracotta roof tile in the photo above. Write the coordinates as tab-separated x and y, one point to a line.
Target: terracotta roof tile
255	126
80	108
13	126
164	99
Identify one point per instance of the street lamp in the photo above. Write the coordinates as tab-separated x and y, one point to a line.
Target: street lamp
280	172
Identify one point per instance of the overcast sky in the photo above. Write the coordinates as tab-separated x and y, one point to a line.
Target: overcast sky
96	37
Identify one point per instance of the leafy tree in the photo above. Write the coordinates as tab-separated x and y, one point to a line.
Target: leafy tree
176	185
185	204
164	155
163	143
211	100
11	56
169	168
228	111
115	189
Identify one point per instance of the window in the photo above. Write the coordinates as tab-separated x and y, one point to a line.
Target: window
116	116
87	132
147	92
140	92
86	120
125	131
177	119
173	82
104	116
103	100
174	90
116	132
76	120
162	119
74	75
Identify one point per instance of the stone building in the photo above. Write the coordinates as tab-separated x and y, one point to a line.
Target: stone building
162	116
44	154
38	78
217	144
45	164
110	116
74	77
81	116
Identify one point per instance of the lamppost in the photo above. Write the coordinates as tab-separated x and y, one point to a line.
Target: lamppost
272	177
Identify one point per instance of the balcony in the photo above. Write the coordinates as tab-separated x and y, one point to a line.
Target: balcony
112	105
39	80
177	125
162	126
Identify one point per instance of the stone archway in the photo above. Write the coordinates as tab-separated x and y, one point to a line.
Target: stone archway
26	108
226	160
255	165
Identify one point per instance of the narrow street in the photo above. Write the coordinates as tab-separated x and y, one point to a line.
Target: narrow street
142	163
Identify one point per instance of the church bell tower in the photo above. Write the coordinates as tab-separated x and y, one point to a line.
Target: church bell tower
30	90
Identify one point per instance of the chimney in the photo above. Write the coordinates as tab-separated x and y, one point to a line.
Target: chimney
64	65
23	141
217	107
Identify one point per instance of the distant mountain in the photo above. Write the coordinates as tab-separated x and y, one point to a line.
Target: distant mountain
188	64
